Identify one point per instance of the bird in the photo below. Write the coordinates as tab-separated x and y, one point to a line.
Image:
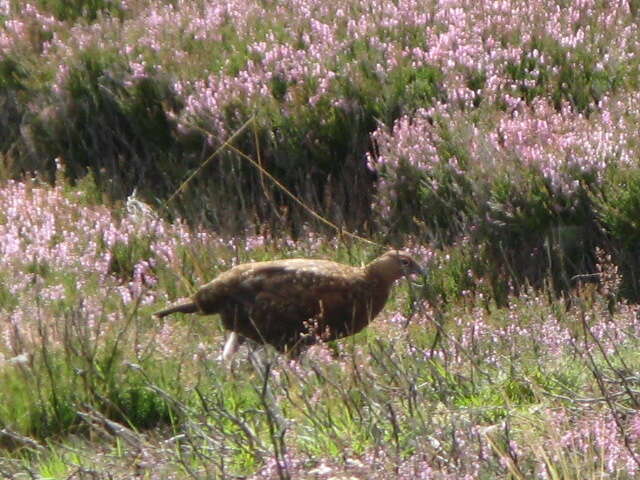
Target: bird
294	303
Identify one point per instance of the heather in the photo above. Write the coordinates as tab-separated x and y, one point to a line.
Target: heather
495	140
509	124
446	384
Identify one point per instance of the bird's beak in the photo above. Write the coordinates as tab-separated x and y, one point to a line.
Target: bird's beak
421	271
416	269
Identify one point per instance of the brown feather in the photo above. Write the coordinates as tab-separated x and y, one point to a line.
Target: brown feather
293	303
187	307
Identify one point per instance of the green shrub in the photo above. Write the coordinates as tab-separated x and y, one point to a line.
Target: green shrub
618	206
534	232
43	394
110	125
75	9
567	75
317	150
14	89
126	255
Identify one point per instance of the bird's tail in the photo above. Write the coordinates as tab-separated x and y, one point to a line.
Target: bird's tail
187	307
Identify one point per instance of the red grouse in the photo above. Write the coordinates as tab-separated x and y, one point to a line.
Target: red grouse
293	303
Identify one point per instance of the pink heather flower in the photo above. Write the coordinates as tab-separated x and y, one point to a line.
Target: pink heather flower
634	427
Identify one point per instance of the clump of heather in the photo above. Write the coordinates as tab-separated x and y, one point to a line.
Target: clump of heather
568	150
162	85
516	180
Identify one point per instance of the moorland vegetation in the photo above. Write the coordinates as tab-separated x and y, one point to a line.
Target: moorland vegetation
146	146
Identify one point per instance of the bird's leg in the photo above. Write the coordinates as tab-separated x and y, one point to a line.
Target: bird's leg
230	347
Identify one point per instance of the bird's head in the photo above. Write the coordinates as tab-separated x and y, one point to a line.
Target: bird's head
395	264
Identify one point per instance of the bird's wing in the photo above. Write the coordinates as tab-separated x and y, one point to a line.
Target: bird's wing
293	292
280	301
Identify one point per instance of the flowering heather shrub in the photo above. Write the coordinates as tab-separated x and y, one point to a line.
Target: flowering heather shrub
510	419
516	179
318	84
323	44
54	248
568	150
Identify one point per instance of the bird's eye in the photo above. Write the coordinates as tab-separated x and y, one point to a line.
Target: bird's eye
404	262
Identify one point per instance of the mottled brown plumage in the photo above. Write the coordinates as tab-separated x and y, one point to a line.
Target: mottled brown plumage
293	303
